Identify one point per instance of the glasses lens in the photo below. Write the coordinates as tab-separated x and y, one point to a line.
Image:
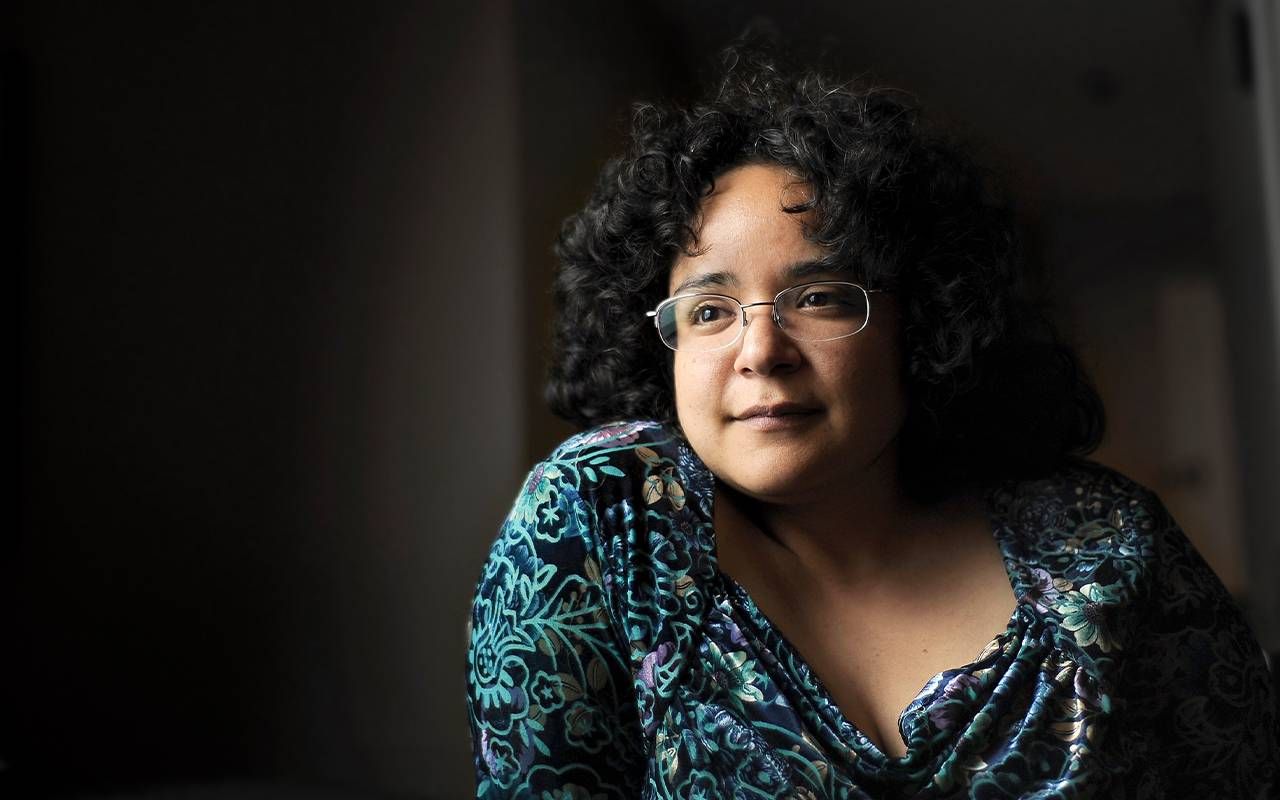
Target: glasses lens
699	322
816	312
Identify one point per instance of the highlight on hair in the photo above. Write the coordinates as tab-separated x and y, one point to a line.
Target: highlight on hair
992	392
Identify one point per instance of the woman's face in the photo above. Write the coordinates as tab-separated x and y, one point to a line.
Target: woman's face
780	420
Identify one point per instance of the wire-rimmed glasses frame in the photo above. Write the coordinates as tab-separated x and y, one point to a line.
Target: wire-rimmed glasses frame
791	321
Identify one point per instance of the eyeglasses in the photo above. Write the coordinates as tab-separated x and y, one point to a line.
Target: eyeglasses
810	312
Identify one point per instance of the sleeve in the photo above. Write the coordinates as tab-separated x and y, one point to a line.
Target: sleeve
1199	715
549	690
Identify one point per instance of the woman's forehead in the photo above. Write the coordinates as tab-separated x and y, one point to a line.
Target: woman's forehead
745	227
760	190
790	274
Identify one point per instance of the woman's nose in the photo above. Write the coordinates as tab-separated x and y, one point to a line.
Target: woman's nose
764	348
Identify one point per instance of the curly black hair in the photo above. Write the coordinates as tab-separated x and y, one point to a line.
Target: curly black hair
992	391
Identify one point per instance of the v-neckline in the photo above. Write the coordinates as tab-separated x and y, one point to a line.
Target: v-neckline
846	731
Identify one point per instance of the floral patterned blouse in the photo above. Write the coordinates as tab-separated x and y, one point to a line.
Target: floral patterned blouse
610	658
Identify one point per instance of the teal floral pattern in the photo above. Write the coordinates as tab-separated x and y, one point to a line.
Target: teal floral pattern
610	658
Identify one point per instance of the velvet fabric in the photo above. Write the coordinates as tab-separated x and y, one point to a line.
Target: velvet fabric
610	657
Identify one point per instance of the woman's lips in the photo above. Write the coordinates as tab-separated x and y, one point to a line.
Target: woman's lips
778	417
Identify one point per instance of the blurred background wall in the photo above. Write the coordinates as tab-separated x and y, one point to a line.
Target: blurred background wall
283	274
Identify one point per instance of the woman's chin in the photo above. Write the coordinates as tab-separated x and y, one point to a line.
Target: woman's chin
773	485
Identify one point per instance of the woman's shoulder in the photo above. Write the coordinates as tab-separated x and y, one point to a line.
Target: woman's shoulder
607	502
620	437
616	437
1081	508
1080	483
1087	538
644	462
609	482
561	535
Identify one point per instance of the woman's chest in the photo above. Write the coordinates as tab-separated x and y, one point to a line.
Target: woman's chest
874	673
874	658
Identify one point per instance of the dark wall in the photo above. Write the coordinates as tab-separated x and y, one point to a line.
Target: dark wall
263	446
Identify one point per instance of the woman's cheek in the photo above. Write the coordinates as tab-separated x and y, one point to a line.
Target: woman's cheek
697	394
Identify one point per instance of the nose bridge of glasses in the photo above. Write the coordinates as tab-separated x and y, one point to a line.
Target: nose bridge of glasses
773	313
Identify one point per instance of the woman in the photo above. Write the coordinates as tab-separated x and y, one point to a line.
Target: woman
845	462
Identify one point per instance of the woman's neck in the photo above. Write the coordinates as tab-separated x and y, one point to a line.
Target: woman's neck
868	536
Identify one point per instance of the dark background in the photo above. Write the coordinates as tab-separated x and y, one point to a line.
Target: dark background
282	280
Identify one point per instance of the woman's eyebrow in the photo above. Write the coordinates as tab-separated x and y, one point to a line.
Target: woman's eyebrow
707	280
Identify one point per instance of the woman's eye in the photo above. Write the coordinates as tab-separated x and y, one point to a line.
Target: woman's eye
705	314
